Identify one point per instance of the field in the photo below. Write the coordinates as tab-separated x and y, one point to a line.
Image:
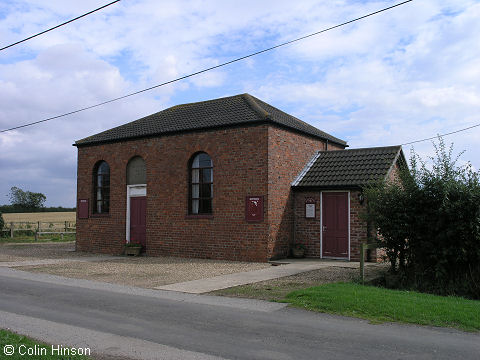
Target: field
40	216
26	225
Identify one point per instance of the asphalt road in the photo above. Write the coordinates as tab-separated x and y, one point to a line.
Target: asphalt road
119	321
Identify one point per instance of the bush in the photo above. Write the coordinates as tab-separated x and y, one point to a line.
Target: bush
429	224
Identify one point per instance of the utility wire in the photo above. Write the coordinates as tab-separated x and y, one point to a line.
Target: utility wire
55	27
441	135
207	69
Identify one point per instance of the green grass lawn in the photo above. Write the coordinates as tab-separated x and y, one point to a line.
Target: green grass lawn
41	238
24	345
385	305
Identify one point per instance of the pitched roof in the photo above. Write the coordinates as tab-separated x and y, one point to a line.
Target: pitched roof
348	168
235	110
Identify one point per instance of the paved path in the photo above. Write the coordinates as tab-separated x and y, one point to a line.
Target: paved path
284	268
155	324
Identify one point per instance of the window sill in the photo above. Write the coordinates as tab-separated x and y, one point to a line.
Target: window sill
199	216
100	215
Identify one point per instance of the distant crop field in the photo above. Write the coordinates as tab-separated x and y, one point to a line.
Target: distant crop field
40	216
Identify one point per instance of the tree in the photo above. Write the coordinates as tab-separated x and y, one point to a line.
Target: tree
26	199
429	224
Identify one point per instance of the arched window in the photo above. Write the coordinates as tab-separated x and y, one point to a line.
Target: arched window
136	171
101	188
201	184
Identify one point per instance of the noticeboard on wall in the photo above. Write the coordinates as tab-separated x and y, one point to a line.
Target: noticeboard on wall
83	208
310	208
254	208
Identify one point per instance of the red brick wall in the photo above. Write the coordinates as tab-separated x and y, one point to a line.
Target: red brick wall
358	226
307	231
239	157
257	160
288	153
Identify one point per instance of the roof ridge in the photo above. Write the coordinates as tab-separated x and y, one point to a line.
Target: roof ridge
203	101
251	102
367	148
325	135
236	110
276	108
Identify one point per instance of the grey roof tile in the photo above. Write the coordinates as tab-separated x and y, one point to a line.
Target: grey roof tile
235	110
349	168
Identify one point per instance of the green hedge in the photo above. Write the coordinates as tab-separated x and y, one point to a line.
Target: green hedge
429	224
19	209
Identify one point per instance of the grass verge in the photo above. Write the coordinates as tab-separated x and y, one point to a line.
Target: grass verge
277	289
385	305
41	238
26	348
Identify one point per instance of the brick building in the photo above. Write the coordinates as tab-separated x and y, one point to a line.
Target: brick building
329	201
211	179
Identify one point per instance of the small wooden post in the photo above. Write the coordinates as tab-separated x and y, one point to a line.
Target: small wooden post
38	226
11	229
62	236
36	235
362	262
66	226
364	247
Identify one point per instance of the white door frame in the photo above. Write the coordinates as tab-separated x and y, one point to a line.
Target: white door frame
321	224
133	191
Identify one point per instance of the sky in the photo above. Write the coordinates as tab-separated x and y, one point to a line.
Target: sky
407	74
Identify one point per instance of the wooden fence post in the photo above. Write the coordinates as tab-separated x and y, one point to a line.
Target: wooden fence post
362	262
66	225
11	229
364	247
38	226
36	235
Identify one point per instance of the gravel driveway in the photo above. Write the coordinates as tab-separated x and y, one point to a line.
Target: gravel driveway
147	272
150	272
29	251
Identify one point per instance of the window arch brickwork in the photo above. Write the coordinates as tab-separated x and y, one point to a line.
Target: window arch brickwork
136	171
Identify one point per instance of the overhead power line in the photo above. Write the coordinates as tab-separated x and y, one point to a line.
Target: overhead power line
436	137
207	69
55	27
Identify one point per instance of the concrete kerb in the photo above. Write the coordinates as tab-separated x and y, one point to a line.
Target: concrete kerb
237	303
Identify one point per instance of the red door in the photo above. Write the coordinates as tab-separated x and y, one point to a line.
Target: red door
138	219
335	224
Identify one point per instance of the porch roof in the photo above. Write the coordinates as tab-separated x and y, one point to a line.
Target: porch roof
349	168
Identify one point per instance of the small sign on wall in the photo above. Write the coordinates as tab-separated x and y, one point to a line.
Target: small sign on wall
254	208
310	208
83	208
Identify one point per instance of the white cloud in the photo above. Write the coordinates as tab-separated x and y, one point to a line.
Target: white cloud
408	73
